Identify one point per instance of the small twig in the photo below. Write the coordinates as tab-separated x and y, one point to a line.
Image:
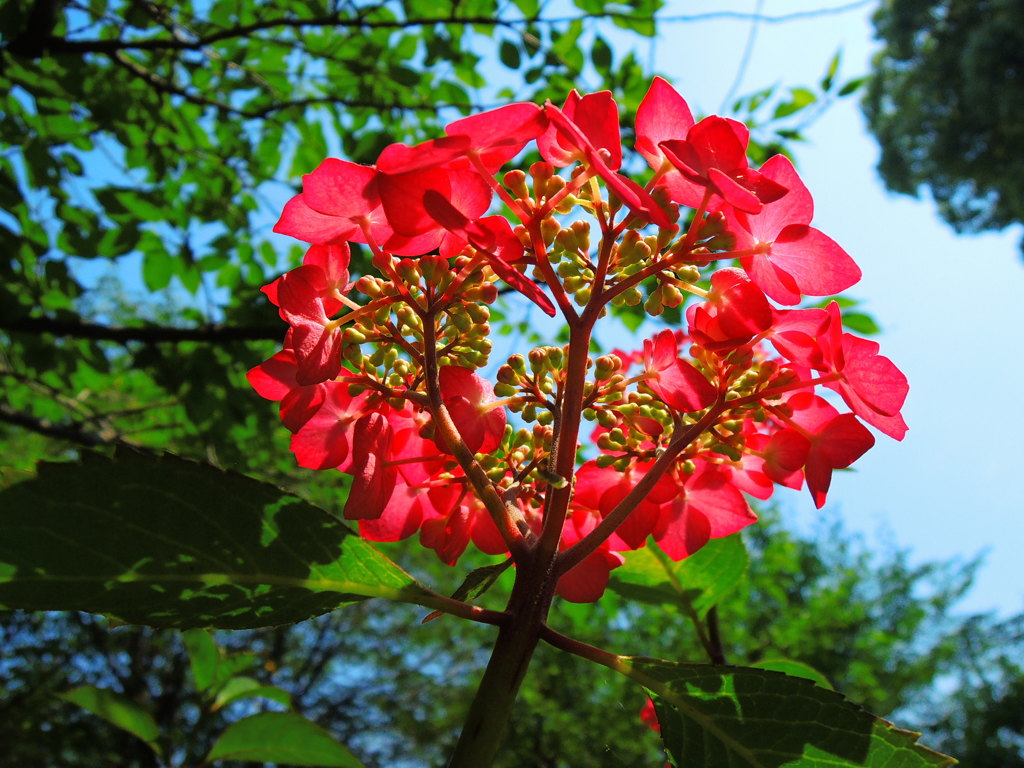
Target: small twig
716	650
143	333
71	431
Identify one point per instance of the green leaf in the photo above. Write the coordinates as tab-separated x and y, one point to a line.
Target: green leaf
281	737
701	580
529	8
601	54
799	98
118	710
167	542
737	717
831	70
158	267
795	669
509	54
479	580
238	688
203	656
852	86
861	323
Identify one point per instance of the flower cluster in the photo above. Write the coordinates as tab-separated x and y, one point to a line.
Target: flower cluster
378	375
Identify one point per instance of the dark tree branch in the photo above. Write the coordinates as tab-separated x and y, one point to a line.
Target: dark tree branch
58	45
151	334
716	649
70	431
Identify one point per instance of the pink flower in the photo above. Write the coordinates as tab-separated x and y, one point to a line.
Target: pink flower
734	312
338	199
714	156
314	338
573	136
706	506
275	379
675	381
469	399
822	437
790	257
872	385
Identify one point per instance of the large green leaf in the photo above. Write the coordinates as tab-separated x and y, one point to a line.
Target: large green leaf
118	710
731	717
281	737
174	543
701	580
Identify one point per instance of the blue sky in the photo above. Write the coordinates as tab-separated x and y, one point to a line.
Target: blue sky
949	305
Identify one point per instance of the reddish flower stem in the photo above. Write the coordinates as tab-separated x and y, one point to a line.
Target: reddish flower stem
485	490
589	543
540	254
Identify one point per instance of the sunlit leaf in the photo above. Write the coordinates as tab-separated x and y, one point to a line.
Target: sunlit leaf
701	580
281	737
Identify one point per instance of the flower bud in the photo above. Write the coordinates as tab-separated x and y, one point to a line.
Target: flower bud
538	359
504	390
542	171
368	285
549	228
515	181
713	224
654	306
517	363
581	230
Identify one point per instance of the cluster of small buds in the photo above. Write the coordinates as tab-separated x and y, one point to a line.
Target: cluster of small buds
378	377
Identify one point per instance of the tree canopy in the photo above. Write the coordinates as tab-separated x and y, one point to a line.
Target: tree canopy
945	103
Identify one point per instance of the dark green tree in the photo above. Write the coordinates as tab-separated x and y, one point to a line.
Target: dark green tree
983	719
945	102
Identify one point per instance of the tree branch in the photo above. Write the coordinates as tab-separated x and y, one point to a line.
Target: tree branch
68	430
151	334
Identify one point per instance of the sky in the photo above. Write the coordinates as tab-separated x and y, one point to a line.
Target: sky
949	305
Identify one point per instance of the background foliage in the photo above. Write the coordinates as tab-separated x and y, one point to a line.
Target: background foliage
145	148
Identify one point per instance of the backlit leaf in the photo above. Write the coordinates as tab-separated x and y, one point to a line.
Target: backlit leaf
167	542
281	737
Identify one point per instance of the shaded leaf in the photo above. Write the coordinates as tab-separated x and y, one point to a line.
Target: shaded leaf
795	669
852	86
281	737
163	541
508	52
737	717
118	710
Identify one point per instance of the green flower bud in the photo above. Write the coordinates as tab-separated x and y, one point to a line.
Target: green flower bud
502	389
